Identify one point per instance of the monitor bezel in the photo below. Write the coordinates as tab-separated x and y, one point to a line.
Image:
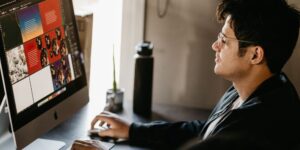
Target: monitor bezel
54	112
4	97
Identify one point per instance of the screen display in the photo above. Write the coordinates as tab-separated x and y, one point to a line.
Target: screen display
41	56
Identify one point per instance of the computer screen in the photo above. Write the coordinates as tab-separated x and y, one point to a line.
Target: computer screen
42	65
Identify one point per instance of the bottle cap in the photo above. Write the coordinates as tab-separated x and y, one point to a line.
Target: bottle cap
144	48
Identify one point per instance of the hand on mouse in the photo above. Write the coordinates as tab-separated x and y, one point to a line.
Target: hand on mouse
117	127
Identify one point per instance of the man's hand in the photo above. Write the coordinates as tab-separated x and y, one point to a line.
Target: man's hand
87	145
117	127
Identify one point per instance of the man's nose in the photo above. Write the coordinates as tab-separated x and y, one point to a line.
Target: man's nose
215	46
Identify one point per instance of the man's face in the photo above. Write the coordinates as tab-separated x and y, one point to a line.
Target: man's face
229	64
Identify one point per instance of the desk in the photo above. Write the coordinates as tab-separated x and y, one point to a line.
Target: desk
76	127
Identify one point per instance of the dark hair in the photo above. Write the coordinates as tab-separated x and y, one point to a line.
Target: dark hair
271	24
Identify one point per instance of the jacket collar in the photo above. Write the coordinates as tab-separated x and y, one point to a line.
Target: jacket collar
268	85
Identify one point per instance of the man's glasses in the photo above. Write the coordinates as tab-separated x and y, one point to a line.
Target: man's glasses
222	39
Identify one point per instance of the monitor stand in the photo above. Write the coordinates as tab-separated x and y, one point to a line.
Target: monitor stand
45	144
6	137
3	89
2	103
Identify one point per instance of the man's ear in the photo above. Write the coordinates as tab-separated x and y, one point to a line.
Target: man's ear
257	55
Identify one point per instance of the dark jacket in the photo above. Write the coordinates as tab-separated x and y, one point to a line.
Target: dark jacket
268	119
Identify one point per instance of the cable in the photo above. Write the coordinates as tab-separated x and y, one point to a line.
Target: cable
162	13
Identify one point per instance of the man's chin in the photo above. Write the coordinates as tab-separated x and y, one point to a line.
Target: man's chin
217	70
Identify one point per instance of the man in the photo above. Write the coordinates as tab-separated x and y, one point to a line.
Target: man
260	110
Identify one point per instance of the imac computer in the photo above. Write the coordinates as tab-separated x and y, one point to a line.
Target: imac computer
2	90
42	66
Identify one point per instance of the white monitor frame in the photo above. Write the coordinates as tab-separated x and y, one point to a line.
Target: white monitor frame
50	118
2	103
7	141
4	98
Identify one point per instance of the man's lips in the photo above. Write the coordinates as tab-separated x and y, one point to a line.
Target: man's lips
217	59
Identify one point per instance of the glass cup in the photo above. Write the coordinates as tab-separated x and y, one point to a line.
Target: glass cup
114	100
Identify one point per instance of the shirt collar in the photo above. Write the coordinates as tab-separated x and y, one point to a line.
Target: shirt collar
266	86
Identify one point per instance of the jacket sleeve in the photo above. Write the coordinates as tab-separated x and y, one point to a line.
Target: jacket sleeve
161	134
237	140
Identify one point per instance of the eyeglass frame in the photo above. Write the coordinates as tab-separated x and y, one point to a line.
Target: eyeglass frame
221	36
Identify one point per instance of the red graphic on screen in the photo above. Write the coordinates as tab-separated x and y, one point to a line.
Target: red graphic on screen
45	49
32	54
56	44
51	16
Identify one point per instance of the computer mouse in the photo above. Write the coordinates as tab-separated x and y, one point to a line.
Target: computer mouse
96	130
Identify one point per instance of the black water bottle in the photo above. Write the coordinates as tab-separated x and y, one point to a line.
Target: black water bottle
142	96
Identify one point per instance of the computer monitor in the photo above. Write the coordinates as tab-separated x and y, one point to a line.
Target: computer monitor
2	91
42	65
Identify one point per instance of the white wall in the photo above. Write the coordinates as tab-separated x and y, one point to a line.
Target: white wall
184	60
292	68
107	24
132	33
